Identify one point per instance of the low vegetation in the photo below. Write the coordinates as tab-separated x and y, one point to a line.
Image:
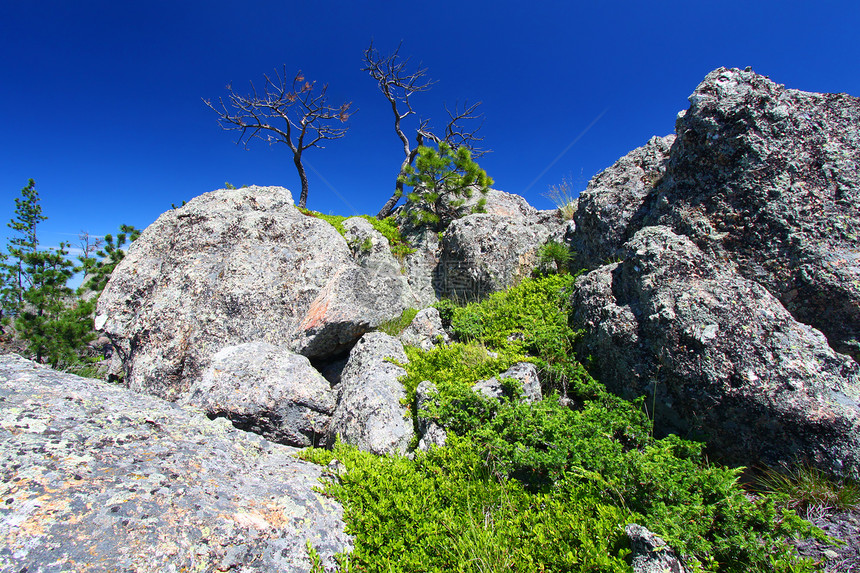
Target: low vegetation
547	486
387	227
806	489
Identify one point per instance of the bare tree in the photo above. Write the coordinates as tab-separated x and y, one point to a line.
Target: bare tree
294	113
398	83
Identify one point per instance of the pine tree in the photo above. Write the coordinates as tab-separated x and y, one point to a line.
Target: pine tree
442	181
28	214
55	327
100	267
35	290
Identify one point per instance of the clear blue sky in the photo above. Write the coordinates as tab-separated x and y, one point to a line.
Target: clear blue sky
102	99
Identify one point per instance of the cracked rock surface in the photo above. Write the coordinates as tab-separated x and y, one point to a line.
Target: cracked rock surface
98	478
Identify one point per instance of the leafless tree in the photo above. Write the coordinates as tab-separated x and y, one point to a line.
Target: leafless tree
89	245
398	83
291	112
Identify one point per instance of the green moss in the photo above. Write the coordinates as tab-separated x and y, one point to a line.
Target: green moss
387	227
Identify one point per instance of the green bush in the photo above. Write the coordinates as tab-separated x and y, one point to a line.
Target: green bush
442	180
547	486
553	257
387	227
444	512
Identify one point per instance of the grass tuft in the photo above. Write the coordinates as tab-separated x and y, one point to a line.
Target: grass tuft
805	488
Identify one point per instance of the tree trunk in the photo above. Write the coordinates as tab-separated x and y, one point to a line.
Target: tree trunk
303	198
398	187
392	201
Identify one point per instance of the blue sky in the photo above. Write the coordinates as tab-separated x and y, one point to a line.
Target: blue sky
102	100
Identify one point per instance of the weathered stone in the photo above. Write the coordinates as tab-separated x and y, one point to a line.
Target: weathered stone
490	388
479	253
526	374
372	251
613	197
484	253
650	554
234	266
425	331
727	362
268	390
523	372
762	176
422	265
769	178
370	413
99	478
430	433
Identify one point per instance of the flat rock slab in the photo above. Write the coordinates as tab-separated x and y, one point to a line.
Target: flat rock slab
98	478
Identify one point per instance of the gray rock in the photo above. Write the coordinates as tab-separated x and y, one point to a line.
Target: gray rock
613	198
100	478
372	251
490	388
370	413
523	372
769	178
425	331
430	433
484	253
268	390
764	177
727	362
479	253
526	374
234	266
650	554
422	264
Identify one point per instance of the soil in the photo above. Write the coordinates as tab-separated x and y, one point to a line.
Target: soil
843	525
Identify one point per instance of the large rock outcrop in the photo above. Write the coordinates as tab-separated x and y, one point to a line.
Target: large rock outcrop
761	175
765	182
613	197
98	478
718	357
481	253
230	267
770	178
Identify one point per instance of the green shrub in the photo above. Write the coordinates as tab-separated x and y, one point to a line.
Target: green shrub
387	227
443	512
532	316
553	257
395	326
547	486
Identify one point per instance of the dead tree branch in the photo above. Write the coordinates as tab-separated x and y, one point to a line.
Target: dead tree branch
291	112
398	84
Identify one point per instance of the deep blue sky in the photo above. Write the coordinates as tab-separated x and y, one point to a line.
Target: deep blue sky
102	99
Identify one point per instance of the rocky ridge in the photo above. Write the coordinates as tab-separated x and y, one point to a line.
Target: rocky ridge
733	249
722	285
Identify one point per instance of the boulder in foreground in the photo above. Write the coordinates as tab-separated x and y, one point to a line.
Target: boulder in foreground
98	478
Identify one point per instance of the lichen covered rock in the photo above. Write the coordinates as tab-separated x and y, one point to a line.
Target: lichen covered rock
370	413
234	266
719	357
268	390
98	478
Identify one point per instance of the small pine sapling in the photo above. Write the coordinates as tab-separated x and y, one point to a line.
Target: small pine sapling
442	180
